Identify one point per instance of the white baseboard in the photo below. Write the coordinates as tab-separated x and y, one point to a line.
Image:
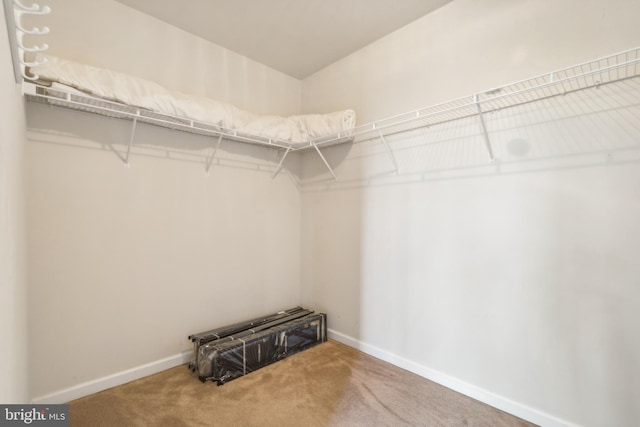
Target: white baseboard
482	395
514	408
119	378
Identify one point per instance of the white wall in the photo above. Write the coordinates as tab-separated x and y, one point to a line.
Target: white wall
516	283
125	263
13	290
108	34
476	45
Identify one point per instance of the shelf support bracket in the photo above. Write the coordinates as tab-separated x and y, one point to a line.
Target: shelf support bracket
131	137
487	141
279	167
324	160
389	151
210	159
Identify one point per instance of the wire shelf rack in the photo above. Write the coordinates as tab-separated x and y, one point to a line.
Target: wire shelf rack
590	74
616	67
61	98
620	66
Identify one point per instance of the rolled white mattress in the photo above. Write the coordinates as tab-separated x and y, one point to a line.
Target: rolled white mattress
138	92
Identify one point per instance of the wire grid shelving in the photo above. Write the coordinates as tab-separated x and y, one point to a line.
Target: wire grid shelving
616	67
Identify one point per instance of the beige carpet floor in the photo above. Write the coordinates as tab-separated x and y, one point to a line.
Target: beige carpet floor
328	385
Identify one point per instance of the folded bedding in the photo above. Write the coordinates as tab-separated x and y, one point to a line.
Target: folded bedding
123	88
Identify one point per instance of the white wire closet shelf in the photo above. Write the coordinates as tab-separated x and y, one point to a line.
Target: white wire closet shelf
616	67
60	97
590	74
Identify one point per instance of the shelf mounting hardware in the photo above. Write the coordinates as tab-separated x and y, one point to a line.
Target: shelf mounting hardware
210	159
389	151
14	11
279	167
324	160
487	141
131	137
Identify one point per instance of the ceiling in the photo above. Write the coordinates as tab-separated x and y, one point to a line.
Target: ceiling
297	37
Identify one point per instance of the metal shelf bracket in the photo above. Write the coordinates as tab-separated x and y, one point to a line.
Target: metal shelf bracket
131	137
279	167
210	159
389	151
325	161
487	141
